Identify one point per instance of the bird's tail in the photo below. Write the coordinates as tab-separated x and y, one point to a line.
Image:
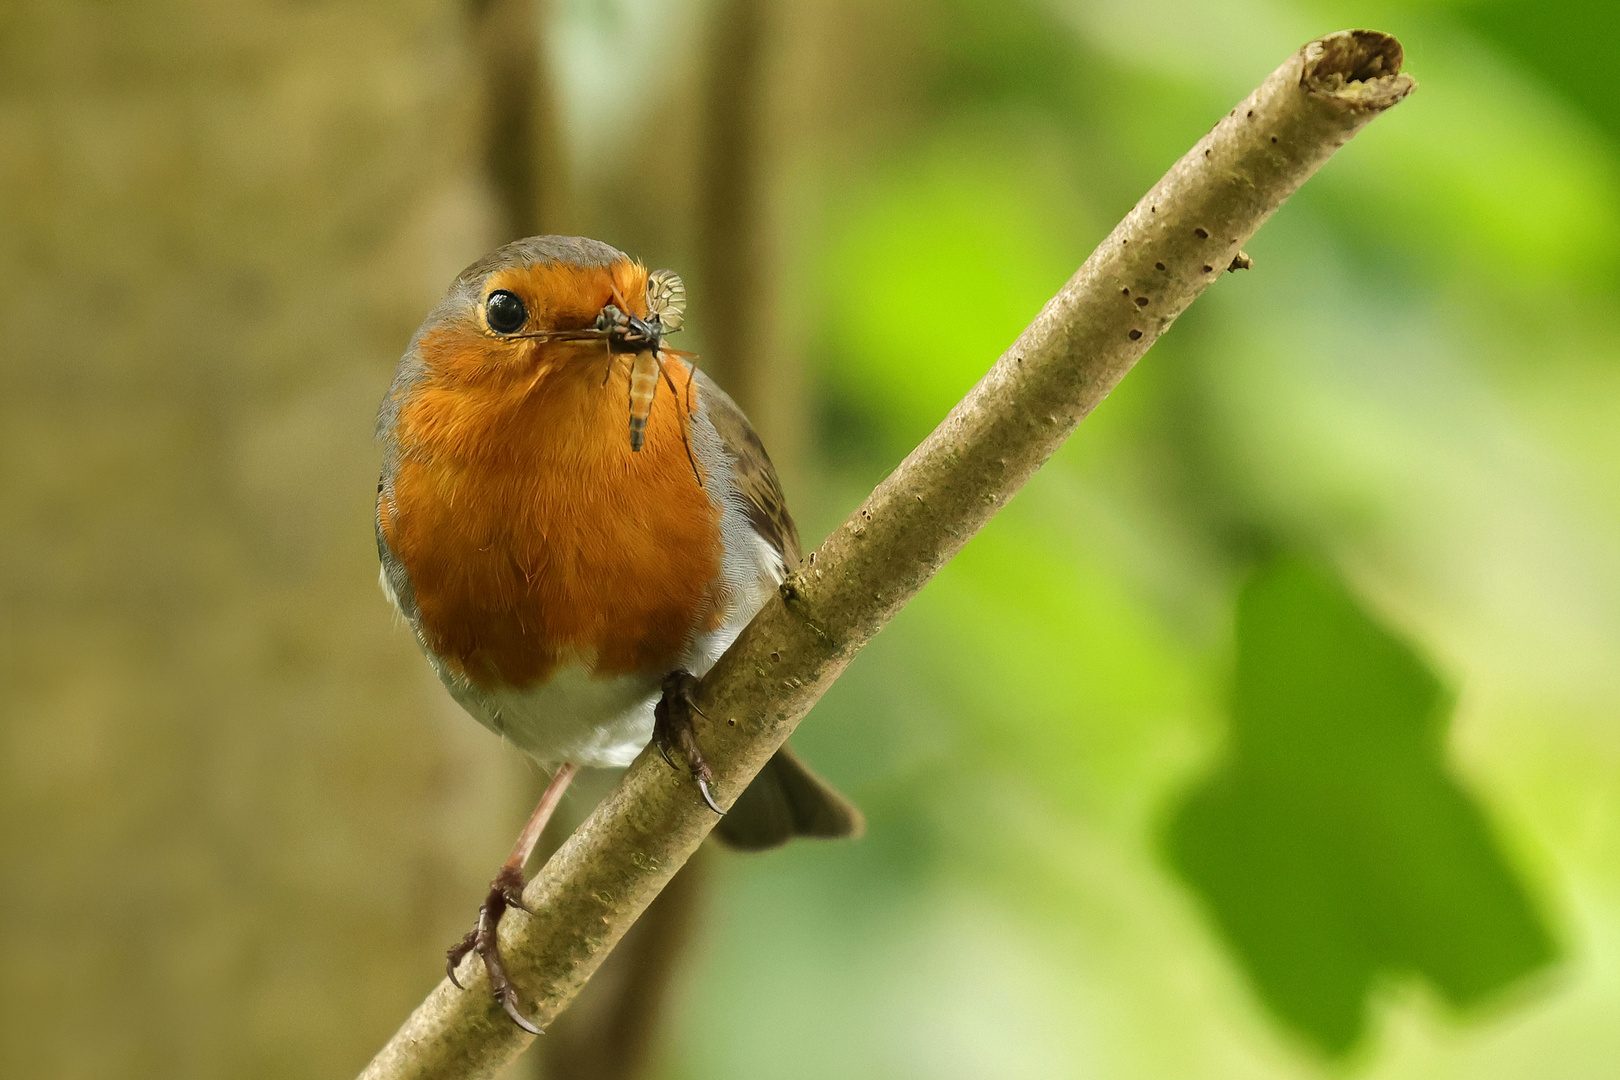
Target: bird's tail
786	800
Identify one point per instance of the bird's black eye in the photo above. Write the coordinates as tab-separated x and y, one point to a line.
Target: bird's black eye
504	312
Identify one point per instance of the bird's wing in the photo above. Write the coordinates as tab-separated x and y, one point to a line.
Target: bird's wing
787	799
755	475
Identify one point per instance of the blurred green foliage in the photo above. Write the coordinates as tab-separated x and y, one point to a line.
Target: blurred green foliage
1073	866
1334	845
1568	46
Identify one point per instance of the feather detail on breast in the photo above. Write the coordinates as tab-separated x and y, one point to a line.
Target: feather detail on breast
539	536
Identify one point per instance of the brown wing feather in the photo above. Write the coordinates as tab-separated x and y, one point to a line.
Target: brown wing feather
786	799
756	476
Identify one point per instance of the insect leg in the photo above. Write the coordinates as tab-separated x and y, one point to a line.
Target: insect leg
685	416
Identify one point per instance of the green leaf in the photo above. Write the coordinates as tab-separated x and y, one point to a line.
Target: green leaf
1335	846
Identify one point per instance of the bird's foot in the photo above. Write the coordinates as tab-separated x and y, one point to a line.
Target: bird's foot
504	892
673	730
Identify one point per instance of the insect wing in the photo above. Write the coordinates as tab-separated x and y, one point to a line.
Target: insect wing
666	299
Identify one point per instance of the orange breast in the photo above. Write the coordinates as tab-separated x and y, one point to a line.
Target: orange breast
535	537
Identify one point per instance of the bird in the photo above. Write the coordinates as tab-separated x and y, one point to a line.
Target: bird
575	522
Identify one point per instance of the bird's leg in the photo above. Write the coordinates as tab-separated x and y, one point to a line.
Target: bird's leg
673	730
504	892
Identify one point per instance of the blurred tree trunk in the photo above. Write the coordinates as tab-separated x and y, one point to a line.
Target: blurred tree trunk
740	169
732	254
525	153
239	819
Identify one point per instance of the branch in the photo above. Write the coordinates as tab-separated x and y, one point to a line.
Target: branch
1178	240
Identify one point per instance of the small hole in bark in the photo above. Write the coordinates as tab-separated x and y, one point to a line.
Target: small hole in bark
1141	301
1135	334
1274	138
1201	233
776	658
1251	114
1158	266
1124	292
1207	269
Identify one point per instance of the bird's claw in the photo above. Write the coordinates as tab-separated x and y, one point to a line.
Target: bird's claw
456	953
673	730
504	892
703	787
505	998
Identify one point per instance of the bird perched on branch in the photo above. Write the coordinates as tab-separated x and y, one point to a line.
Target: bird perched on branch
576	522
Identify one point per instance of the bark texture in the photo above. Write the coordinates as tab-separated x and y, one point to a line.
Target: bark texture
1177	241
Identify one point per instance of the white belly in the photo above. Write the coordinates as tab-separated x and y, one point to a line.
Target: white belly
572	717
597	722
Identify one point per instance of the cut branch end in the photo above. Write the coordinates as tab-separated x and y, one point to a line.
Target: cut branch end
1361	68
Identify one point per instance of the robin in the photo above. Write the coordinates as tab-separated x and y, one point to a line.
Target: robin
576	523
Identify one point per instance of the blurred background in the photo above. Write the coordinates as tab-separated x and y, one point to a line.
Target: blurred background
1271	732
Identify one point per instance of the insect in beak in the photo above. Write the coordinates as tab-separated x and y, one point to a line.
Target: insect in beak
666	305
